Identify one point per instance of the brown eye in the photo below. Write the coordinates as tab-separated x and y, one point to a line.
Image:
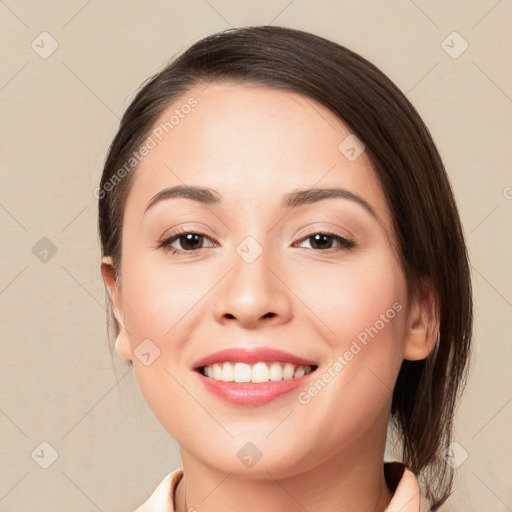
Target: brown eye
187	242
191	241
325	241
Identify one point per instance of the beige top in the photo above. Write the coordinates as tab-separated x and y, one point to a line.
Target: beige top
406	496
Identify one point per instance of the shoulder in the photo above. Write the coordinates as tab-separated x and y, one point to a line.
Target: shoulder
162	498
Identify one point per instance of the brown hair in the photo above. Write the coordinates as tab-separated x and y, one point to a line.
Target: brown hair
410	170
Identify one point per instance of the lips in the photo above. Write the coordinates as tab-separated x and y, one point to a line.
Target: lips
252	393
249	356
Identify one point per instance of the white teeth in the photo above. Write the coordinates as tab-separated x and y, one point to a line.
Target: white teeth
242	372
288	371
217	372
276	372
299	372
258	372
228	372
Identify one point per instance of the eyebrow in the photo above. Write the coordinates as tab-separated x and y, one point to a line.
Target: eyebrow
293	199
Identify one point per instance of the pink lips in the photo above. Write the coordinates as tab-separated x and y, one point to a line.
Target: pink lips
250	393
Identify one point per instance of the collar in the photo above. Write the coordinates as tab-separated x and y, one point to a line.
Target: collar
404	484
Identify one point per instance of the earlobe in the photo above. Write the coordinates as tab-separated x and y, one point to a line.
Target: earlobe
123	347
122	344
422	335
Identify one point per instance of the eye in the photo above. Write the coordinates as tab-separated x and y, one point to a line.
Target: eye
190	242
324	241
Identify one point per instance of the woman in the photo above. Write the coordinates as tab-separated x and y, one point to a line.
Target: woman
287	272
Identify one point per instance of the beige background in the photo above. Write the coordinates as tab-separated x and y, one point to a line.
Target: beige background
59	114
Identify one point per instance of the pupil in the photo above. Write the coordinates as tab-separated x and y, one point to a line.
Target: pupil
320	239
191	239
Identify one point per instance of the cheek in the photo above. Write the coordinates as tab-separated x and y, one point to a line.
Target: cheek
159	306
361	315
164	303
350	298
158	299
360	311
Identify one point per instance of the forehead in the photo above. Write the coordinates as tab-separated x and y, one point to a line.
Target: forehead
253	144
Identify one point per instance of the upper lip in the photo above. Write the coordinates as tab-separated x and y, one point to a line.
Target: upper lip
251	355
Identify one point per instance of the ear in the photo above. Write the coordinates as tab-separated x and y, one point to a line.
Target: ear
423	322
122	345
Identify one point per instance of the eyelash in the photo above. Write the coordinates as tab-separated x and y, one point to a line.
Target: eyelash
345	243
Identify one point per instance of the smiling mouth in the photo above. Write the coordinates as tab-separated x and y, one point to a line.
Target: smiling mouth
259	372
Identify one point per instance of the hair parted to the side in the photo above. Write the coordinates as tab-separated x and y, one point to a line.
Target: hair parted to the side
409	168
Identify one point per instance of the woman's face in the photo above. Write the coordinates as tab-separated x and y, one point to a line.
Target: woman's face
259	277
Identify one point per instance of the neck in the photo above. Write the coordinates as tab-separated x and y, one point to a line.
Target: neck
352	480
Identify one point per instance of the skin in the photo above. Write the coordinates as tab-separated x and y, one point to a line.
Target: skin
253	145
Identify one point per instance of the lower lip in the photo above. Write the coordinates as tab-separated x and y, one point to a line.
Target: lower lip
250	393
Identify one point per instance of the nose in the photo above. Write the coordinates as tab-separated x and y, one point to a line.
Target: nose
254	294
